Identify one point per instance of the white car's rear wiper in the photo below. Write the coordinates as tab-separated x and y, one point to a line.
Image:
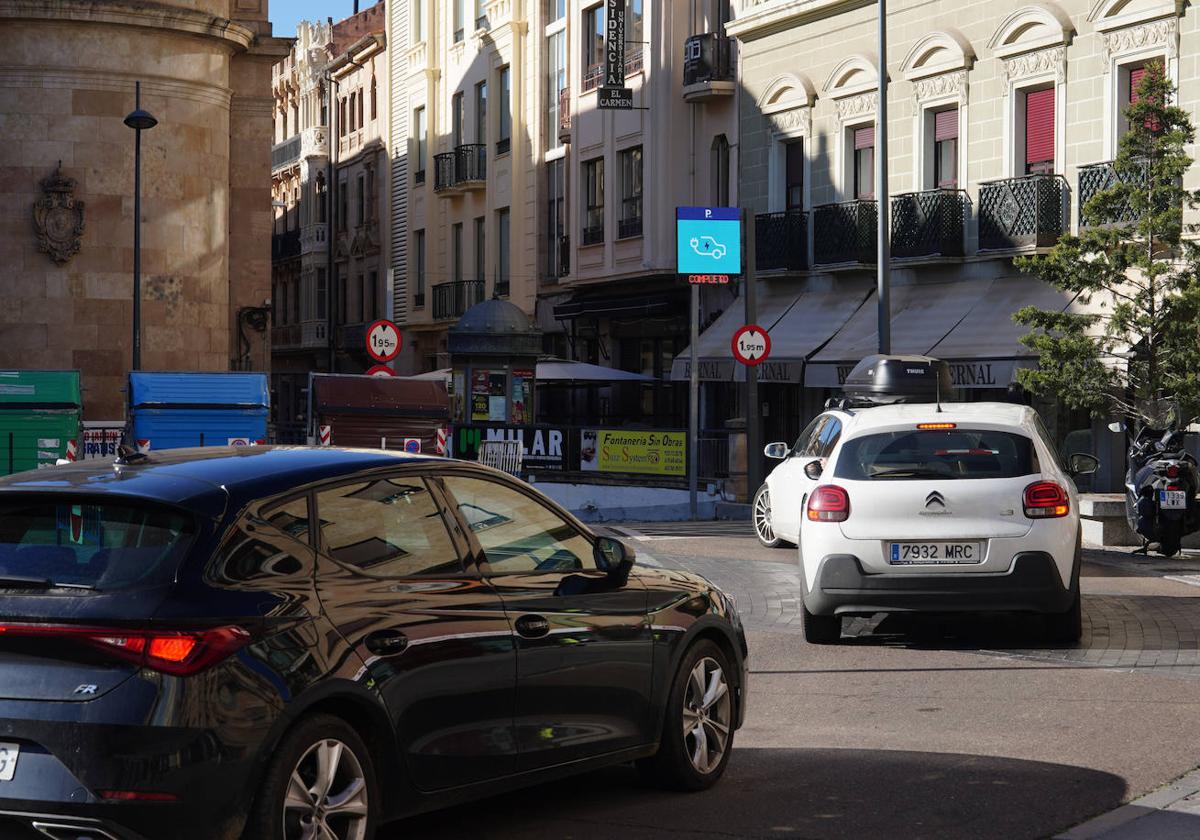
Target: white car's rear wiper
912	474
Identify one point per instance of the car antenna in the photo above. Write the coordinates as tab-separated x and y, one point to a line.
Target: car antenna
938	389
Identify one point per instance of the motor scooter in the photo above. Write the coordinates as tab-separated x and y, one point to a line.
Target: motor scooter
1160	487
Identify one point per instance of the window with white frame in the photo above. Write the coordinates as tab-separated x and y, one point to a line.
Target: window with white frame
504	141
793	174
418	269
502	252
593	198
421	129
1038	130
593	48
630	223
556	78
460	20
944	151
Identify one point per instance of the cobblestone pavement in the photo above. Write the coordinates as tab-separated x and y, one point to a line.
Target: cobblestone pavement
1138	613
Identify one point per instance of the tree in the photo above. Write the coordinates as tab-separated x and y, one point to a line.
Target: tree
1134	270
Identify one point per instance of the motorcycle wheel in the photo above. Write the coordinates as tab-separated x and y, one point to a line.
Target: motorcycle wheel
1170	539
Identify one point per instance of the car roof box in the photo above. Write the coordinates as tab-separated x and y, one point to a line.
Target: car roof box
885	380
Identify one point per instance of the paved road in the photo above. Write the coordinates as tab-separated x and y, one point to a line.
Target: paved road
910	728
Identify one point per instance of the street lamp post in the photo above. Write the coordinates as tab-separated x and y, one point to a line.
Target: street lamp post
882	200
139	121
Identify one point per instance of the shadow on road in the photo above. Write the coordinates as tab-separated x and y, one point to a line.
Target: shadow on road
799	793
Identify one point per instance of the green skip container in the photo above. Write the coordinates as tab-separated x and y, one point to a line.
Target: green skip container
40	418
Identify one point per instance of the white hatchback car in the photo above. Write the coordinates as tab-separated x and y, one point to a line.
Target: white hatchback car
904	508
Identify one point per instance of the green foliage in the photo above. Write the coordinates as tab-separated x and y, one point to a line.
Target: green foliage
1139	279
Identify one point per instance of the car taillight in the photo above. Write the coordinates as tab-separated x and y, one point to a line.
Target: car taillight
829	503
1172	471
177	652
1046	500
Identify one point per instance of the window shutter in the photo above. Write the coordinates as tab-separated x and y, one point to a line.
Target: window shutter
1135	77
1039	126
945	125
864	138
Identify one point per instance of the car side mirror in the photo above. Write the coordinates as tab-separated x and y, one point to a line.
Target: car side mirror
613	557
1082	464
1116	428
778	451
814	469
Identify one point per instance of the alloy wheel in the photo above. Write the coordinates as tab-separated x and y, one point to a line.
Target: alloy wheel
762	516
326	796
707	716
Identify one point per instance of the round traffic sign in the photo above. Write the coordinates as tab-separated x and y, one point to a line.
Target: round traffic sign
751	345
382	371
383	341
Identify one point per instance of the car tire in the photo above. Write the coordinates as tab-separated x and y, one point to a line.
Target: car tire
350	809
680	763
1066	626
821	629
760	512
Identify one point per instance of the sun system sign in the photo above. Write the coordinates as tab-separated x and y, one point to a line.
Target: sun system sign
708	243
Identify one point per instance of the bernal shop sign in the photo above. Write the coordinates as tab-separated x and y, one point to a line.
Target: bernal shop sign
970	375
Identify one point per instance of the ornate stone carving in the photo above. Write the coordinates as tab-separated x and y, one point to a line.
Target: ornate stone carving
857	106
58	218
791	122
936	87
1158	33
1052	60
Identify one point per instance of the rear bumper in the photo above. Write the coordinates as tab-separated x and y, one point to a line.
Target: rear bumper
127	821
1032	584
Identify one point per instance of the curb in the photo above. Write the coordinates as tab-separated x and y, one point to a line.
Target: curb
1154	815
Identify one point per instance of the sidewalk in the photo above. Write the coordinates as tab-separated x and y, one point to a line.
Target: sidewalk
1170	813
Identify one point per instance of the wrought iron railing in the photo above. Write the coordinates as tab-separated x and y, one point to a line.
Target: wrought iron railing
286	336
285	246
593	235
451	300
1026	212
845	232
285	153
466	165
707	58
781	241
1096	178
592	76
929	223
629	227
503	287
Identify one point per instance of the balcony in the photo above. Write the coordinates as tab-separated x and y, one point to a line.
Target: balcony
845	232
707	67
629	228
564	115
592	77
352	337
1026	212
315	334
287	337
314	238
285	246
314	142
929	224
781	241
1098	177
286	153
463	169
451	300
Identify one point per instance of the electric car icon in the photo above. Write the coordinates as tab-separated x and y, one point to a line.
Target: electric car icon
706	246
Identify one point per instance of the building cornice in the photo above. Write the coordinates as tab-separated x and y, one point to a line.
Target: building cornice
766	17
140	14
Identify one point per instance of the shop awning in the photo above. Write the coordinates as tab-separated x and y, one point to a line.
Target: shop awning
715	357
923	314
560	371
985	349
808	323
623	306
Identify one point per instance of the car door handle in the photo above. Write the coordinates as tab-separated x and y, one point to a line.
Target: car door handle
533	626
387	642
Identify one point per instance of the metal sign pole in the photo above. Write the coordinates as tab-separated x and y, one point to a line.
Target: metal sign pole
694	405
753	426
884	282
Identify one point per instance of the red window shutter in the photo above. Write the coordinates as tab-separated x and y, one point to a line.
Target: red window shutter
1135	77
945	125
864	138
1039	126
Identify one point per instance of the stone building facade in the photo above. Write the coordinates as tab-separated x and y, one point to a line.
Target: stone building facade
300	238
1003	120
66	84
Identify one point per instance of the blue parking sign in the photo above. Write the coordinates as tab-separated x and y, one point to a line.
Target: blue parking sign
708	240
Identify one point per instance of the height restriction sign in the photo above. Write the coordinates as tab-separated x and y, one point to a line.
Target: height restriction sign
383	341
751	345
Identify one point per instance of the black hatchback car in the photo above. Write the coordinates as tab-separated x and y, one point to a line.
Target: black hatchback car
291	643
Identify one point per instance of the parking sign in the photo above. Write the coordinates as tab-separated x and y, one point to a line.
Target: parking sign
708	240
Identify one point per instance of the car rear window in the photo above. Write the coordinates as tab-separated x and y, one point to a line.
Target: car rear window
85	544
943	454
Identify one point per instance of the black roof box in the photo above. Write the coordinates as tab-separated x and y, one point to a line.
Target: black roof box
884	380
